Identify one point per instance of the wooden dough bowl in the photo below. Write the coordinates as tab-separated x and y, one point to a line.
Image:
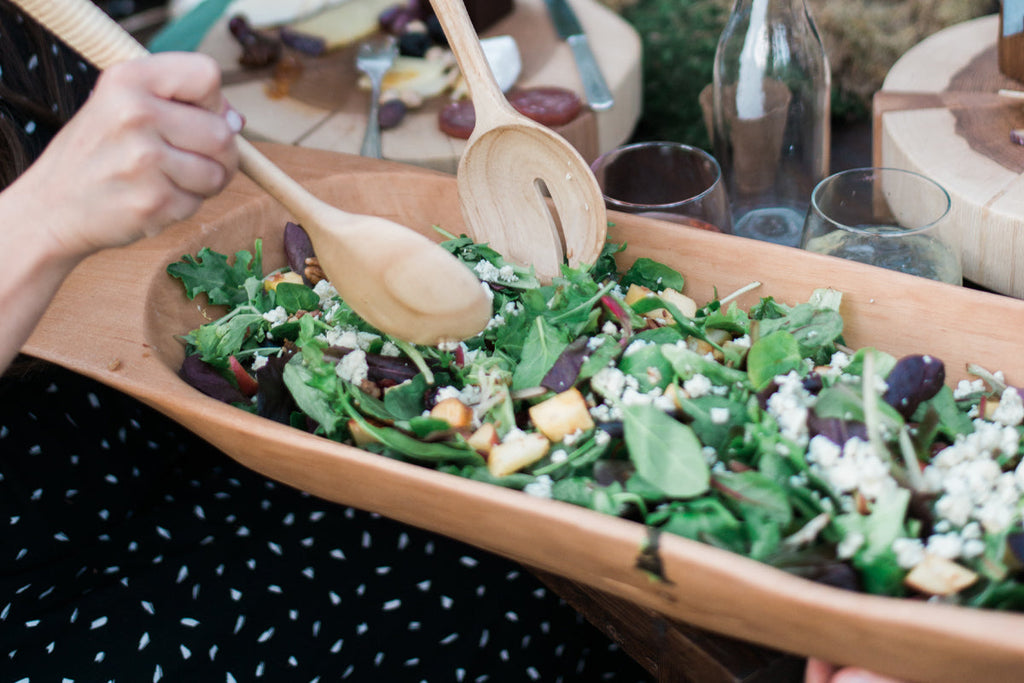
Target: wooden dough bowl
117	316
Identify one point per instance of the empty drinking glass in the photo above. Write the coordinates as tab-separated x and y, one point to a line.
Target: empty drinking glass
665	180
886	217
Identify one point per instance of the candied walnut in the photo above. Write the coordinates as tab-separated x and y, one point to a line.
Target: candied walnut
313	272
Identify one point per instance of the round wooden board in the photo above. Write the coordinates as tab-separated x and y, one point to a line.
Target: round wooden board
325	108
939	113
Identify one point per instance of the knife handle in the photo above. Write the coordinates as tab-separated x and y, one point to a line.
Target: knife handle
595	89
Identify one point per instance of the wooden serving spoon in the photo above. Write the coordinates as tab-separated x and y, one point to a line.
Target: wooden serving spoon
397	279
506	159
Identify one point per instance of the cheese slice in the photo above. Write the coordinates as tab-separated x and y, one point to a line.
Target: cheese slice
344	24
424	77
269	13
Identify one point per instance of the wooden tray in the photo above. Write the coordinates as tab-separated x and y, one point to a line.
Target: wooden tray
325	109
116	317
939	114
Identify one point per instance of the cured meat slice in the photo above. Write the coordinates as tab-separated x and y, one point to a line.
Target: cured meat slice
457	119
549	106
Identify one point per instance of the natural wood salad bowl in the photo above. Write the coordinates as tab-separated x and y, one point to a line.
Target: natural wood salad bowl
117	316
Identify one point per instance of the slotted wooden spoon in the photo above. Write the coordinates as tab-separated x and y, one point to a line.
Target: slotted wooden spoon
397	279
506	160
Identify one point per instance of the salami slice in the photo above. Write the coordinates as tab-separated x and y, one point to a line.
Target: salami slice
457	119
549	106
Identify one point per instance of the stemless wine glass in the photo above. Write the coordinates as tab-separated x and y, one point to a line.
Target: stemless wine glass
665	180
887	217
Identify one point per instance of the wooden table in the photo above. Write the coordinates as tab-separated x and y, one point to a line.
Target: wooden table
939	113
325	109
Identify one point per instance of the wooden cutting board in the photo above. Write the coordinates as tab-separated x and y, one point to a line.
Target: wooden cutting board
939	113
326	110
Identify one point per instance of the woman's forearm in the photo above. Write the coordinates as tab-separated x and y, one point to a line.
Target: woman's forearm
32	265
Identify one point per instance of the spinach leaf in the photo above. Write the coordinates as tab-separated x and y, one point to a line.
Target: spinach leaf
703	414
543	345
773	355
666	452
754	493
405	401
295	297
706	520
648	366
297	377
653	275
687	363
600	356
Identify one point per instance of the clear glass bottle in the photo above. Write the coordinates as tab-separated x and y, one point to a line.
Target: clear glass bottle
771	116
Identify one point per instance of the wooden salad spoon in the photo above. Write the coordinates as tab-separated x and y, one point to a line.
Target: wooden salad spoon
507	157
397	279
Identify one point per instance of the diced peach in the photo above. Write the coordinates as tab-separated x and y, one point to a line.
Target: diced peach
511	456
484	438
636	293
685	304
562	415
360	436
456	413
271	282
936	575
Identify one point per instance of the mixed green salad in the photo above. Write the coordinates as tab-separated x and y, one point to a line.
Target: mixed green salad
757	431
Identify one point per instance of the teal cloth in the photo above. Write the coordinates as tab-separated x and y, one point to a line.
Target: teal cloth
187	31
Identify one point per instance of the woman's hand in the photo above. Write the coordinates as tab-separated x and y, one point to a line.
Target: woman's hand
154	139
820	672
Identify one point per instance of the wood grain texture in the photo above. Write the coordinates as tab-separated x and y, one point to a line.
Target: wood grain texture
120	305
325	109
939	113
510	166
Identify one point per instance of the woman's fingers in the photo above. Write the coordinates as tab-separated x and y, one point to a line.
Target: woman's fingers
182	76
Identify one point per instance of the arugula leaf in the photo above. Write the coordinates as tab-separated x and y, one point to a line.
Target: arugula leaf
666	452
815	329
209	272
227	336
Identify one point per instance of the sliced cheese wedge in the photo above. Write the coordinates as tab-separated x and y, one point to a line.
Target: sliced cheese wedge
270	13
344	24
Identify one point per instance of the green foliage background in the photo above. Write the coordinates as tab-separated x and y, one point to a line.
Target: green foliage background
863	38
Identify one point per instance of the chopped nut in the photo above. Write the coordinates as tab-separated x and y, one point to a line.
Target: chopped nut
313	272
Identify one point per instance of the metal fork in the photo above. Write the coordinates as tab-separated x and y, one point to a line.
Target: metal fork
374	59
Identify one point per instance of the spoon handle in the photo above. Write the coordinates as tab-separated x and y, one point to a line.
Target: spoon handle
483	87
94	35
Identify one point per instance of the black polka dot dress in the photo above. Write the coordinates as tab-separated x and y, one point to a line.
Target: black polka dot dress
133	551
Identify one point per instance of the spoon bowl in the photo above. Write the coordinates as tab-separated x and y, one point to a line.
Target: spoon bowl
512	165
396	279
